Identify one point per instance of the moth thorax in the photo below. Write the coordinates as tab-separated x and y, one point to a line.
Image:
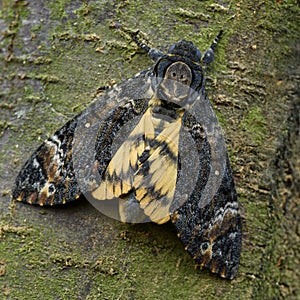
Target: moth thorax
177	81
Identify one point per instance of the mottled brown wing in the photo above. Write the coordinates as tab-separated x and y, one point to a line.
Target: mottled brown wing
49	176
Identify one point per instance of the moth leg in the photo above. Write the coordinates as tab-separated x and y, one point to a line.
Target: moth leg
153	53
208	56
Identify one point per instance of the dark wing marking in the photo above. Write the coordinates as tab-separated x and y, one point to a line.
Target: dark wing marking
47	178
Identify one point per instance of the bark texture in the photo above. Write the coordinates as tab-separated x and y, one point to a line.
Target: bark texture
55	54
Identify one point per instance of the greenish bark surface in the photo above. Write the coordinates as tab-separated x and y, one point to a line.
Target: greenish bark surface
55	54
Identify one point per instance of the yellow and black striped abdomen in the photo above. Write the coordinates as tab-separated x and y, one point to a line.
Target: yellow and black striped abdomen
145	168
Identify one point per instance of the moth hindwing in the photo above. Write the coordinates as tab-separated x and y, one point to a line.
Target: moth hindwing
150	149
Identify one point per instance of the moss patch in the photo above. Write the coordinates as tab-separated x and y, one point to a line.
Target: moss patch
254	124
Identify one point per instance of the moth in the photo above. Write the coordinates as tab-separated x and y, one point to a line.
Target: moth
149	149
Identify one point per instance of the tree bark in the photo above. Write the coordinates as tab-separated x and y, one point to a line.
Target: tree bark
54	57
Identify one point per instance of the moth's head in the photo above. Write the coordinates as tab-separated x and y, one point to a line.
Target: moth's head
178	73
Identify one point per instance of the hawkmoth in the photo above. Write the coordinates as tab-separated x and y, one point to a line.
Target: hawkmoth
149	149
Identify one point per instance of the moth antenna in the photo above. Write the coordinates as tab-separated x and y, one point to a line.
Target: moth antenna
216	40
153	53
208	56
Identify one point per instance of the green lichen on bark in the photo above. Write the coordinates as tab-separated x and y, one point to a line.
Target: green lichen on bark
55	56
